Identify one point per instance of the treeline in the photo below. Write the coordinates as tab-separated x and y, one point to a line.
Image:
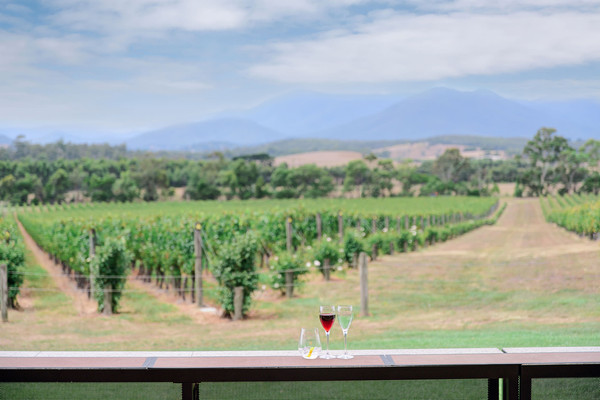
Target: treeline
32	181
553	165
58	172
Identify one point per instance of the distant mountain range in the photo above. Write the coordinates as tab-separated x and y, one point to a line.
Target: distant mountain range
433	113
443	111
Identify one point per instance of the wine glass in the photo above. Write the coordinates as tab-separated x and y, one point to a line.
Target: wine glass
327	317
344	314
309	345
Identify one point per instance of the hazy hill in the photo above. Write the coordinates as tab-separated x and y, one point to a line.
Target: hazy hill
443	111
4	140
300	114
205	135
510	146
294	146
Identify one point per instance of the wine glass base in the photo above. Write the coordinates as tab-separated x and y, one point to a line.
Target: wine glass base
327	356
345	356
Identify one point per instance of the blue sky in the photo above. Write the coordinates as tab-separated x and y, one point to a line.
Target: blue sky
131	65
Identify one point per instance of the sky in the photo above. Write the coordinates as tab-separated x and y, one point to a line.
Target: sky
126	66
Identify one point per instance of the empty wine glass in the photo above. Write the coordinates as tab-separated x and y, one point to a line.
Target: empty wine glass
344	315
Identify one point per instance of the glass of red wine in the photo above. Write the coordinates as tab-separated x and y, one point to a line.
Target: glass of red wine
327	317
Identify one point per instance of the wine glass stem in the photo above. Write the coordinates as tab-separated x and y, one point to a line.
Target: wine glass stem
327	334
345	348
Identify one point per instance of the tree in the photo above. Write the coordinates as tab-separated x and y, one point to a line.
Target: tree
281	182
77	178
125	189
570	169
7	185
592	149
450	165
58	184
202	185
383	176
311	181
357	175
543	153
591	183
100	187
150	177
480	178
240	178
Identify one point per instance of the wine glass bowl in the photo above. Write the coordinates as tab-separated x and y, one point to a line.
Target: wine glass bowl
327	317
344	316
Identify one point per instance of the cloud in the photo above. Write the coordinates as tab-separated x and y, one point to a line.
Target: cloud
139	17
504	5
397	47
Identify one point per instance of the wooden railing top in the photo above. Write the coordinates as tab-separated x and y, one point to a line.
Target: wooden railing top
253	353
188	367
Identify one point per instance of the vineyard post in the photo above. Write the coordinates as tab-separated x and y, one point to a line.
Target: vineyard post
387	223
340	227
406	222
198	264
238	302
289	283
398	224
4	292
108	300
288	234
364	289
319	226
374	225
92	254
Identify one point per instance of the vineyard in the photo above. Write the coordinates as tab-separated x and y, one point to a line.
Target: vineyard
576	213
163	243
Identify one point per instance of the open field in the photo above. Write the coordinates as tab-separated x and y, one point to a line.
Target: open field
522	282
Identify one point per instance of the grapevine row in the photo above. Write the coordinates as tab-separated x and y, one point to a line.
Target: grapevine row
579	214
162	246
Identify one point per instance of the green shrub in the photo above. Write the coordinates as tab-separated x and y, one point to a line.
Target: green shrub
352	245
12	253
327	249
283	262
236	267
109	266
376	239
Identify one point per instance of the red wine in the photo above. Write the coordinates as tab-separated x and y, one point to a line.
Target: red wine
327	321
